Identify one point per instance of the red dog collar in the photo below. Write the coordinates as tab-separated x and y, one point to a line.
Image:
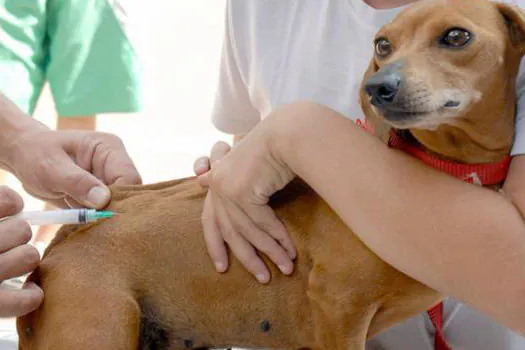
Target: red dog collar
479	174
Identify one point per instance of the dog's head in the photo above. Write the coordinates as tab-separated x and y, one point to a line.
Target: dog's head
445	70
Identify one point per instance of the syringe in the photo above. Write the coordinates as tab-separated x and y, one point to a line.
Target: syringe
63	217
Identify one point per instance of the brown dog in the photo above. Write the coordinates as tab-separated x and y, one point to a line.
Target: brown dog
443	70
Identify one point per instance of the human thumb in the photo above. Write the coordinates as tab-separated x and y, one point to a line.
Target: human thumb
69	179
205	179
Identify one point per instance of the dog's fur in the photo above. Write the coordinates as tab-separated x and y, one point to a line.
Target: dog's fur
143	280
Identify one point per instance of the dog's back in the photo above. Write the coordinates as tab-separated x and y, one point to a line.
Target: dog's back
144	278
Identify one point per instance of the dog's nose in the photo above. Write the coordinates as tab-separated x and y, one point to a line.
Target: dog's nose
383	87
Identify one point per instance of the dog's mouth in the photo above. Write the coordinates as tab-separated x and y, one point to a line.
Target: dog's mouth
403	118
408	137
452	104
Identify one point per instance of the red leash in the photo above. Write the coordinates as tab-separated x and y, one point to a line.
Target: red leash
479	174
436	317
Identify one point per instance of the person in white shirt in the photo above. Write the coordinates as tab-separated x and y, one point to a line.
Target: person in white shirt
278	52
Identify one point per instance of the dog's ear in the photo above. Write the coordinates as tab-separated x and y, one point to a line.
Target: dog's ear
381	130
515	19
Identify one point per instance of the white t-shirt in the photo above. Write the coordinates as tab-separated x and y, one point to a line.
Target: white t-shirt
279	51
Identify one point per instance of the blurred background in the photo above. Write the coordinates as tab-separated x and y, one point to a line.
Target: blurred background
180	44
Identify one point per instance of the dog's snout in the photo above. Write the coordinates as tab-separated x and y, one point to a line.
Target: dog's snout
383	87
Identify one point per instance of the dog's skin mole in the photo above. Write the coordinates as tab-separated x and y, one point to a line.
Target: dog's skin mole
266	326
29	332
188	343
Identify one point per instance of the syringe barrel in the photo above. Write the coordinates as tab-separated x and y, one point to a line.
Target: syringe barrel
63	217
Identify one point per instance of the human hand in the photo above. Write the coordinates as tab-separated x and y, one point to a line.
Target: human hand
203	164
236	208
69	167
16	258
215	243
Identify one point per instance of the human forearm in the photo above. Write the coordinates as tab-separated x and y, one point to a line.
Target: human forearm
88	123
460	239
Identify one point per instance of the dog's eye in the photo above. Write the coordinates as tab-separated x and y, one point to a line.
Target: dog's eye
383	47
455	38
